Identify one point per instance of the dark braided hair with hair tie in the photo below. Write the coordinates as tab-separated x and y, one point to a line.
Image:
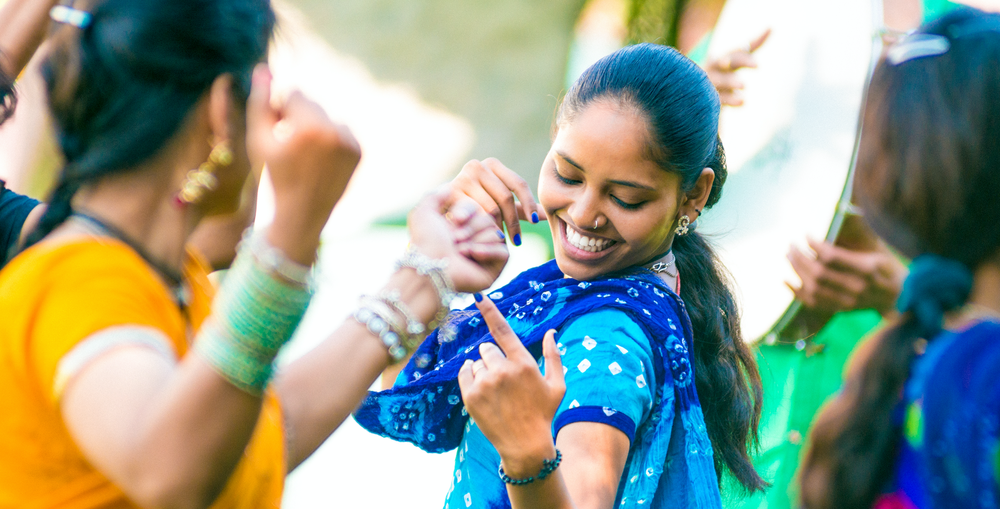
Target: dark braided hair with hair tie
928	182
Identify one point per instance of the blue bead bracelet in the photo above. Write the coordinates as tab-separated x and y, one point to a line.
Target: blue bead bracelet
548	466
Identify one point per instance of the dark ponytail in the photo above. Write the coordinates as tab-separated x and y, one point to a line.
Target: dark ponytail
927	180
682	108
725	367
855	439
120	87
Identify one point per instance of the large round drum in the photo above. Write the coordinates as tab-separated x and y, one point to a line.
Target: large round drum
790	146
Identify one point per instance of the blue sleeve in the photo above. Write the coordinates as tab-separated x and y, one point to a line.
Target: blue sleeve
608	364
14	209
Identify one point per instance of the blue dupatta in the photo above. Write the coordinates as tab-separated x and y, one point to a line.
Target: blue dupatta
427	409
951	429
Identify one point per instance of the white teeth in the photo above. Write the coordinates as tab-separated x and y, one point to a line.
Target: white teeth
589	244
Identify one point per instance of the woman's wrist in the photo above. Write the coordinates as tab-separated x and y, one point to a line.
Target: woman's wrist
527	460
261	302
297	237
412	304
417	292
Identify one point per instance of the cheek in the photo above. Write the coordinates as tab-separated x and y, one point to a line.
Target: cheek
549	195
652	228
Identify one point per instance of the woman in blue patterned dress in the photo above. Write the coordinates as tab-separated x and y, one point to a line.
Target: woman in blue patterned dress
917	424
662	395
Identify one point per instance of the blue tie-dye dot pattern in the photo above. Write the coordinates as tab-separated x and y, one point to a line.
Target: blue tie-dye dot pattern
403	413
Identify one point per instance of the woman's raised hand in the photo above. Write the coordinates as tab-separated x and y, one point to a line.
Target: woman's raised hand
722	71
462	234
493	186
310	160
836	278
509	398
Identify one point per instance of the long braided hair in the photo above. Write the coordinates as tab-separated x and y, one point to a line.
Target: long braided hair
928	181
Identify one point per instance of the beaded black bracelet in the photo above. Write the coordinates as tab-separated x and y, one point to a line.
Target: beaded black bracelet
548	466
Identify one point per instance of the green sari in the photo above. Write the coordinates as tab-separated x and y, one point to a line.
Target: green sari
796	384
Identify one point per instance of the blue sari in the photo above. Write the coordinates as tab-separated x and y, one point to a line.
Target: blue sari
425	407
949	455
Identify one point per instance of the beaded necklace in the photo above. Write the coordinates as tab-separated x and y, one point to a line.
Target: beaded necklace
175	281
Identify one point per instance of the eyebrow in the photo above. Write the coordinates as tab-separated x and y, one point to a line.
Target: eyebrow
624	183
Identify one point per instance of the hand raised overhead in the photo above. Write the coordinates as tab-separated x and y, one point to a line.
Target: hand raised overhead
722	71
310	160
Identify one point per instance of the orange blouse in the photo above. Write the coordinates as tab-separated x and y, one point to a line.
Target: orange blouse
53	297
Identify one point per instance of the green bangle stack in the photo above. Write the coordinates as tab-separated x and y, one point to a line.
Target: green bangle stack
253	316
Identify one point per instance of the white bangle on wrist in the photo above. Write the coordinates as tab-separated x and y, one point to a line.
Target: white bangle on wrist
274	261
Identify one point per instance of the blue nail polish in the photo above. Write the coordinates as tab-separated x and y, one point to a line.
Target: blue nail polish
501	235
478	296
534	217
517	239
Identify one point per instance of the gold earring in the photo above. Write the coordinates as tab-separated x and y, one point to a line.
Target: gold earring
682	225
199	181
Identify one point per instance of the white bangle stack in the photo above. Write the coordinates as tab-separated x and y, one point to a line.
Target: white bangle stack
389	318
434	269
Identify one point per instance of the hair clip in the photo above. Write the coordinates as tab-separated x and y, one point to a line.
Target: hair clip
70	16
917	46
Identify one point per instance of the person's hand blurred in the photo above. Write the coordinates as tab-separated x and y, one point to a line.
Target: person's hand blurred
310	160
836	279
493	186
506	394
462	234
722	71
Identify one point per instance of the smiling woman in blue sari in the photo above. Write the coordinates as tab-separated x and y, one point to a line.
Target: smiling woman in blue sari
662	395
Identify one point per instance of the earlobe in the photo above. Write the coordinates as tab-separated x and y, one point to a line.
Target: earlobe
698	196
220	105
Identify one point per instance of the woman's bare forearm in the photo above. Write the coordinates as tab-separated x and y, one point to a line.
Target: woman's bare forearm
321	389
22	30
168	435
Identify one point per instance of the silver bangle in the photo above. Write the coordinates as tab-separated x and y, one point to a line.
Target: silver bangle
381	327
414	326
433	269
274	261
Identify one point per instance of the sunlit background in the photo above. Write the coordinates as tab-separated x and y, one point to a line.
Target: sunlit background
428	84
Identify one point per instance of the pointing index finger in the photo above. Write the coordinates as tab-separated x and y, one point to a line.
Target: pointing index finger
759	41
500	329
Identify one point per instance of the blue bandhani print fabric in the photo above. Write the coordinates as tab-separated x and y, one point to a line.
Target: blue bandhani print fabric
670	462
610	379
